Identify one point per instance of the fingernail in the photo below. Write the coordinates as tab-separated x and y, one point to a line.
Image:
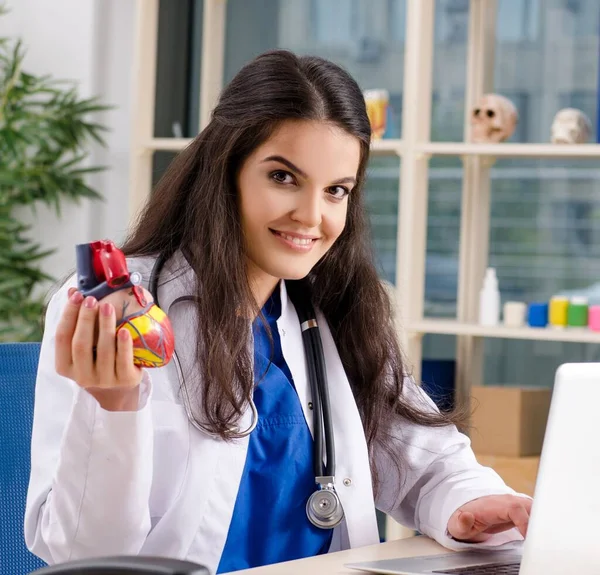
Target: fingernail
123	335
76	297
90	302
106	309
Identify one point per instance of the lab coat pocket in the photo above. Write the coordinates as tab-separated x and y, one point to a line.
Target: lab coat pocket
171	454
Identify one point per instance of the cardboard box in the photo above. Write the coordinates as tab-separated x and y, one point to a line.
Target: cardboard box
509	421
520	473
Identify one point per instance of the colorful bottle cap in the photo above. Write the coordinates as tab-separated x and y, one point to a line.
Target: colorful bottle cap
577	313
558	311
537	315
594	317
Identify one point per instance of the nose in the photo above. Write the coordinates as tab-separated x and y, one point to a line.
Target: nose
308	209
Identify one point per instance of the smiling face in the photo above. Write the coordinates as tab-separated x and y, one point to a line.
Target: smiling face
293	192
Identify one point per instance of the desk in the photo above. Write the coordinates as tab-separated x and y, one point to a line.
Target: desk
333	563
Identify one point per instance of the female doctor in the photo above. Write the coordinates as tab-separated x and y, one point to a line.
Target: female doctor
212	457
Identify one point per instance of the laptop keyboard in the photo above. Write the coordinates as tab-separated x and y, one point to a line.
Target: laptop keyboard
490	569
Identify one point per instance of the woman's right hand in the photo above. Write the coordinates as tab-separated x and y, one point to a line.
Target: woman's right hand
110	374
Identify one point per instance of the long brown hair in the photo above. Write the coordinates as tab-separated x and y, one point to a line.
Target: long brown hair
194	208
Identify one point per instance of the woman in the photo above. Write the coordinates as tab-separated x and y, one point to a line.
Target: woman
271	190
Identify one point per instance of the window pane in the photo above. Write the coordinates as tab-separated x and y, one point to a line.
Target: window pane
178	68
443	230
441	264
160	163
366	37
547	59
449	70
544	238
381	197
518	21
545	228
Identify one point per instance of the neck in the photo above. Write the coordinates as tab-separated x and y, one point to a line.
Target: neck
262	286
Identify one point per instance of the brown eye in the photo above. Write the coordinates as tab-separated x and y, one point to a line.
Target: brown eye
339	192
282	177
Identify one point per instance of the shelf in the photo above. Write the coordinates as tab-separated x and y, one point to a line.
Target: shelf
383	147
452	327
167	144
509	150
395	147
378	147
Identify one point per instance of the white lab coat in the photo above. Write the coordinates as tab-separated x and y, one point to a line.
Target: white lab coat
148	482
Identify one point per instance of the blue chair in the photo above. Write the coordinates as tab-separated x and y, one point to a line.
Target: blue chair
18	369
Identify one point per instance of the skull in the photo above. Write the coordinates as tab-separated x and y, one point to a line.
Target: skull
570	126
493	120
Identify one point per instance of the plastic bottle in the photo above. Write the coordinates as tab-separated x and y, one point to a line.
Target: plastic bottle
489	299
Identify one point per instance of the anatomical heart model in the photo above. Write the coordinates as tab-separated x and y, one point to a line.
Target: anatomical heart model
493	119
102	272
570	126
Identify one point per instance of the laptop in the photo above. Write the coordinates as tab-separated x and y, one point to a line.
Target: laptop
564	528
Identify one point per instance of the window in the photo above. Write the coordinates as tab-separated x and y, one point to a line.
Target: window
178	68
452	21
518	20
335	24
544	215
397	21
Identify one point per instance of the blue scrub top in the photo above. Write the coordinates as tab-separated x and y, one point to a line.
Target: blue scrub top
269	522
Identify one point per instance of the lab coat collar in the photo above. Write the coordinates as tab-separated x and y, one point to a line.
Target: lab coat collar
284	299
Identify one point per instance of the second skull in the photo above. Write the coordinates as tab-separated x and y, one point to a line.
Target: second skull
570	126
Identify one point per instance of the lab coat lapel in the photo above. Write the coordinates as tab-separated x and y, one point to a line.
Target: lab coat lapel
353	474
201	518
353	477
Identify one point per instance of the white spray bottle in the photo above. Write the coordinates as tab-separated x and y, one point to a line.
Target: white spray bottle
489	300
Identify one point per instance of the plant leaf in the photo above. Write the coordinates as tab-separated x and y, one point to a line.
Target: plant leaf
46	129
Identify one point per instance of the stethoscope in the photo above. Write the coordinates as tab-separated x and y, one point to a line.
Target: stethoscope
323	508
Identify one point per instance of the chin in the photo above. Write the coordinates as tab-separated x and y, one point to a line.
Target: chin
290	272
294	274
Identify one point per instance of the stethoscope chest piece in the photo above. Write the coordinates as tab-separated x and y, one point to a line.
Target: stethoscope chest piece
324	508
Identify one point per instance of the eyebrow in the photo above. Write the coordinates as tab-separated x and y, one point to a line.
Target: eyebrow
294	168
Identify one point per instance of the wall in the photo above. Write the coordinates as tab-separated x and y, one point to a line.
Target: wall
90	42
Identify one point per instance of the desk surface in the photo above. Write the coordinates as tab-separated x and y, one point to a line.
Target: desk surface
333	563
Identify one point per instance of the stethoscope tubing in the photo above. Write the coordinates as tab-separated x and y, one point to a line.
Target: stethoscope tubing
323	390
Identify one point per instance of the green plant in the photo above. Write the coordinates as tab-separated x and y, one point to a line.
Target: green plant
44	131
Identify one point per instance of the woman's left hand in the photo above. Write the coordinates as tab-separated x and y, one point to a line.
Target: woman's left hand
478	520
